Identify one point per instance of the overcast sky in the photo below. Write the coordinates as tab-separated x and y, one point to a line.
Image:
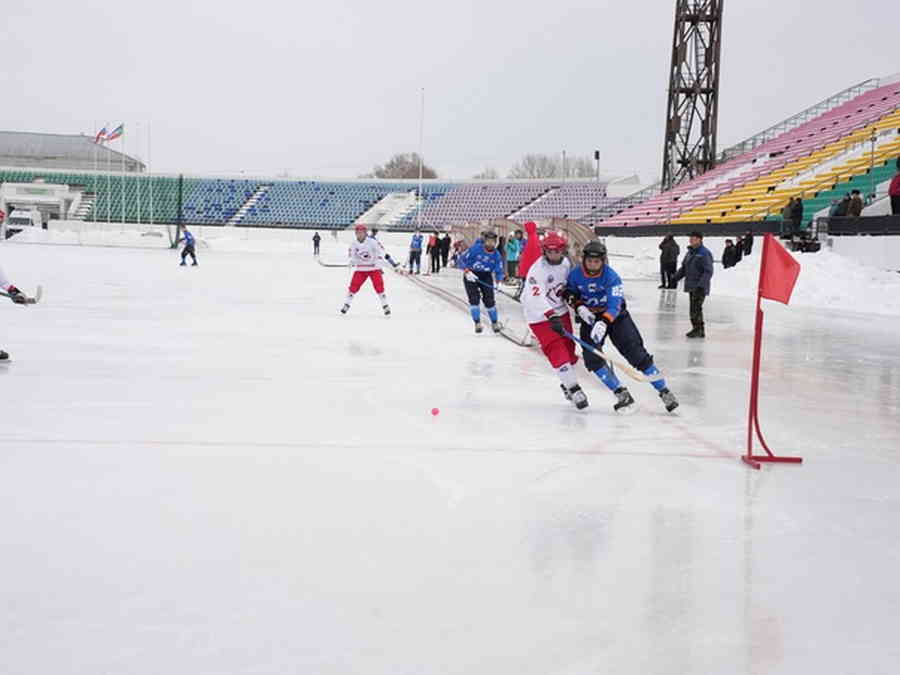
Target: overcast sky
332	88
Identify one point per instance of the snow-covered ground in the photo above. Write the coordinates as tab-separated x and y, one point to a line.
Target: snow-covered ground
209	470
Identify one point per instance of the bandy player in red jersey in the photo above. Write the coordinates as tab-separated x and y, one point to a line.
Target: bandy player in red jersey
366	258
548	314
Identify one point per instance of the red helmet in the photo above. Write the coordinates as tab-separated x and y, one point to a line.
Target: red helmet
361	228
554	242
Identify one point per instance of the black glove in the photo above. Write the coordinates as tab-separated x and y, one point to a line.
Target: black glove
557	325
16	295
570	297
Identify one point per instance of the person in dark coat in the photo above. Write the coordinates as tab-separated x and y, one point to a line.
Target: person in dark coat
843	207
434	251
729	254
316	240
855	207
787	219
738	250
748	242
797	213
696	270
894	191
668	260
445	249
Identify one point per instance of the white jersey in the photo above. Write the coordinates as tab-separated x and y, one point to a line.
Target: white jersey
367	255
4	282
544	284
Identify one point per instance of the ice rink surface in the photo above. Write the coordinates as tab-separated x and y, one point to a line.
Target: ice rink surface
210	471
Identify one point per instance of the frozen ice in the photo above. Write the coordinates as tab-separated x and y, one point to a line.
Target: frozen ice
210	470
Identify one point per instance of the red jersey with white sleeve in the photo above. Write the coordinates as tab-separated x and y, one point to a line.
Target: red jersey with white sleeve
367	255
544	285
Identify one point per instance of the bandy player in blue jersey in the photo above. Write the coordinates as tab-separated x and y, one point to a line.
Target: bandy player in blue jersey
595	291
482	264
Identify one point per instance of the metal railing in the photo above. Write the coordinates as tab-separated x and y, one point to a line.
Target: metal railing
744	146
800	118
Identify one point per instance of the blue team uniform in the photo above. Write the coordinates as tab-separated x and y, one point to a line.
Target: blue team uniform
604	295
415	253
188	249
487	266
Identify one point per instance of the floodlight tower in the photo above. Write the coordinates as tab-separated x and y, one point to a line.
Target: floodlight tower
693	108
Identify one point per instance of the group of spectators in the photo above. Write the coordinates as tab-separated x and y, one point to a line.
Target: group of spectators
734	252
439	248
849	206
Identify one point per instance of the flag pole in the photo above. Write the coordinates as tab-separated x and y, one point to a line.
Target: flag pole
93	211
421	158
138	172
753	409
149	169
122	148
108	188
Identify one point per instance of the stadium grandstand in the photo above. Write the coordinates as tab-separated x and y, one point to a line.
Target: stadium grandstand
850	140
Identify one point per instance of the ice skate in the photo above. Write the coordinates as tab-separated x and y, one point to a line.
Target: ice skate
3	356
478	327
578	397
345	309
387	310
565	392
668	399
624	401
496	326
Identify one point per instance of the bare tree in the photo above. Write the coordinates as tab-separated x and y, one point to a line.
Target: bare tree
536	166
403	165
551	166
487	174
582	167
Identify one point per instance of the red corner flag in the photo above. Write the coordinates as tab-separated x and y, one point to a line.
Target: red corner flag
532	249
778	272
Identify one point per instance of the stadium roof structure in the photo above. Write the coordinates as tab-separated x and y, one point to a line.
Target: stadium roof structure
61	151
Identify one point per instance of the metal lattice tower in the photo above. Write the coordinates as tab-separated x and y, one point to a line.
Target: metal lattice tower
693	109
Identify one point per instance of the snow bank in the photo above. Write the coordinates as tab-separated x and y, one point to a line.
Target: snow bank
827	279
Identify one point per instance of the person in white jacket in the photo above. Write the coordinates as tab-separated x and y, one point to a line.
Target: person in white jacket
15	295
367	256
547	313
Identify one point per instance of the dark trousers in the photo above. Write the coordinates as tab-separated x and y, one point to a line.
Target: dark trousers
315	248
698	295
512	267
895	205
445	257
435	262
483	292
666	273
188	251
626	337
415	258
